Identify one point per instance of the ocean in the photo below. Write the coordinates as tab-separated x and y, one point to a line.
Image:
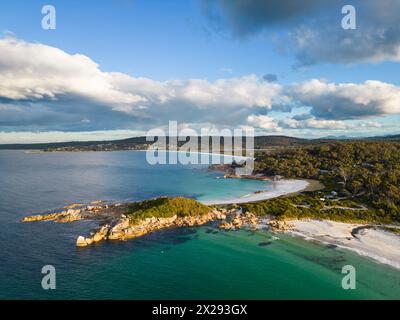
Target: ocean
187	263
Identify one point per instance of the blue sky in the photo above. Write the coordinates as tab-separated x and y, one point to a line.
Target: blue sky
206	41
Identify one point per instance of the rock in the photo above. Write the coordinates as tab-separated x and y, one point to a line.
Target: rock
81	242
39	217
68	218
221	216
116	236
73	211
98	237
74	205
101	234
237	221
226	225
280	225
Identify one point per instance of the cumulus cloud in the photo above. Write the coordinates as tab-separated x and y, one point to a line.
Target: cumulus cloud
321	124
291	123
269	124
31	71
45	83
263	122
347	100
44	88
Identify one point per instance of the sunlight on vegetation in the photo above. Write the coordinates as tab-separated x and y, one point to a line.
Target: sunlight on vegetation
165	208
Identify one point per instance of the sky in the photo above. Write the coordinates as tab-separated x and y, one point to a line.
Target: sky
118	68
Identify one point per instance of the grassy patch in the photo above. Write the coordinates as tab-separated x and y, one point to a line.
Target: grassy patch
165	208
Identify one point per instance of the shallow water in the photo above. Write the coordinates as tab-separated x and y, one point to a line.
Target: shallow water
187	263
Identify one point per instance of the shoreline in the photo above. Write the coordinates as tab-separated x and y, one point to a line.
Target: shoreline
373	241
280	188
368	240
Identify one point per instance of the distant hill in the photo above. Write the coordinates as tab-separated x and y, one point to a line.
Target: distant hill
267	141
42	146
135	143
389	137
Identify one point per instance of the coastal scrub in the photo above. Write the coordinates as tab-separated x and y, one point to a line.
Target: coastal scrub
165	208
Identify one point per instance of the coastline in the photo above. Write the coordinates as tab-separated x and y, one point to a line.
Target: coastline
369	240
280	188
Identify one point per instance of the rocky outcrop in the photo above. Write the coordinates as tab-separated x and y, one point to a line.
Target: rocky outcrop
40	217
123	230
239	220
63	216
280	225
73	206
96	236
115	225
72	214
101	234
81	242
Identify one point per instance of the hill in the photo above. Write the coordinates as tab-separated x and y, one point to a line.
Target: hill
140	143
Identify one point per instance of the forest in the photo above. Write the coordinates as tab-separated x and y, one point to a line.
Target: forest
364	173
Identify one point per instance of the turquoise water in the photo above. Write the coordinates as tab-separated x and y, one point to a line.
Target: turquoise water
186	263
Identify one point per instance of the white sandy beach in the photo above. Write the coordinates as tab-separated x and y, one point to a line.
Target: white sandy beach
278	188
375	243
380	245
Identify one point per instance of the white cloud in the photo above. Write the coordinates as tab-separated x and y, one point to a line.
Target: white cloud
347	100
45	88
263	122
31	71
35	71
321	124
312	123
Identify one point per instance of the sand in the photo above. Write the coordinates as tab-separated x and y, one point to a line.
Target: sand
374	242
279	188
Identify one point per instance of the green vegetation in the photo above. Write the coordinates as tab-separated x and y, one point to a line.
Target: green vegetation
165	208
362	172
310	206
